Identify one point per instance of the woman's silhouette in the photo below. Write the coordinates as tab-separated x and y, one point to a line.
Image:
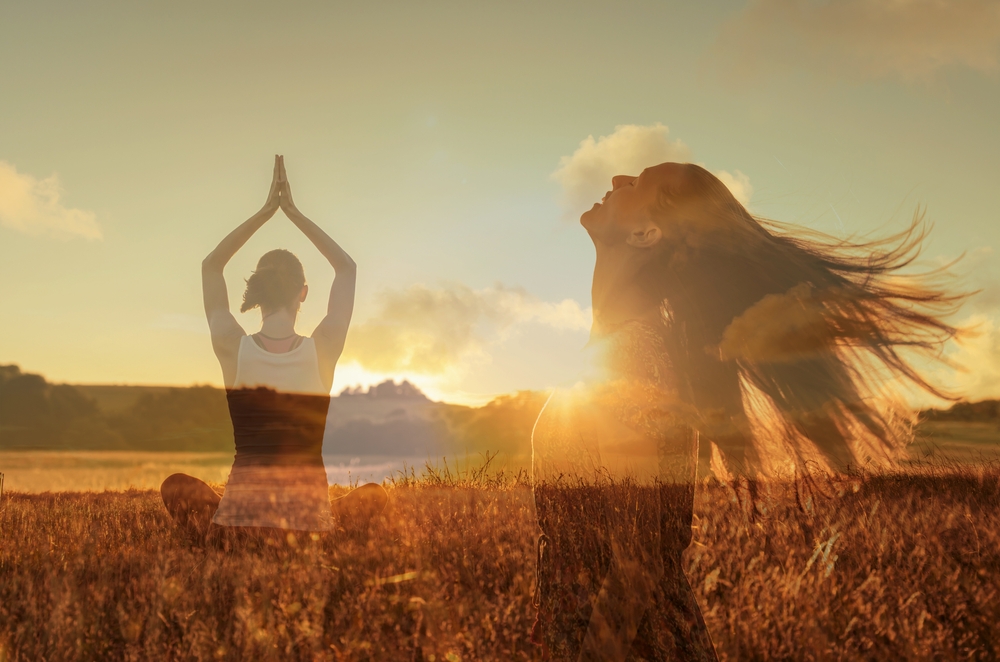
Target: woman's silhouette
278	387
709	326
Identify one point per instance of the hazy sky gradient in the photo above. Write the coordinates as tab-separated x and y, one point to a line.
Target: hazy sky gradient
424	136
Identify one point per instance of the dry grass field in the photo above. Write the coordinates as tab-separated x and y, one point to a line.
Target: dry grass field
900	567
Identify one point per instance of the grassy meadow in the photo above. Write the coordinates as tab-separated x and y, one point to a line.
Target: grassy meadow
957	441
96	471
900	566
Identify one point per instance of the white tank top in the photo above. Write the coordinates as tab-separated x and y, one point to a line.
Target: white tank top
296	371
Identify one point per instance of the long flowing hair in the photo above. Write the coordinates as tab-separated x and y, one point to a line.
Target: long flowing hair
786	339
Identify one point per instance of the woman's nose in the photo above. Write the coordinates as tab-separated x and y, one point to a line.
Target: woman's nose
620	180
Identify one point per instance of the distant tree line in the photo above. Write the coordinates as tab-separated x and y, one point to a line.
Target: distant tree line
385	419
985	411
36	414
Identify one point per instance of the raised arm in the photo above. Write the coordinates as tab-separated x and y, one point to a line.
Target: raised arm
226	331
331	332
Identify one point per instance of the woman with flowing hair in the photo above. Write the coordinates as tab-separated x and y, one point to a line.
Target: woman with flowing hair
278	389
771	345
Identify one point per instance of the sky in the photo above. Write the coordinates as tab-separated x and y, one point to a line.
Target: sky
450	147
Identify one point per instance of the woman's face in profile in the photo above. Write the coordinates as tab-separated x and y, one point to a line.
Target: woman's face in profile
625	215
608	220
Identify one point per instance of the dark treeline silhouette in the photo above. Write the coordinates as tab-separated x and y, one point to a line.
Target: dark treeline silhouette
986	411
386	419
36	414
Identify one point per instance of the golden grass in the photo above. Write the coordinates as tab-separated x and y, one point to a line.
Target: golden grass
81	471
906	567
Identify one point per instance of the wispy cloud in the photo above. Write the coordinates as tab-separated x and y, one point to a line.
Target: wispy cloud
737	183
984	279
978	356
436	330
867	39
586	174
33	206
977	353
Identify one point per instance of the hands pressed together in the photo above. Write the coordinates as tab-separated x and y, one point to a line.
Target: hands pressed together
280	195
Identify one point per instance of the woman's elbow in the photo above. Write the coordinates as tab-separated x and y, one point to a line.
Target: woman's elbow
212	263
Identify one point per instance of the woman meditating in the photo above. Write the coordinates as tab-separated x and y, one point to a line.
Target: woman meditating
710	327
278	388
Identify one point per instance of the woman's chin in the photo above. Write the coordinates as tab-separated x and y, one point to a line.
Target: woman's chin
589	216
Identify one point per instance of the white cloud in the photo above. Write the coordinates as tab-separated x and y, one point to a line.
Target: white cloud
983	278
432	331
33	206
518	307
978	356
737	183
587	173
972	370
871	39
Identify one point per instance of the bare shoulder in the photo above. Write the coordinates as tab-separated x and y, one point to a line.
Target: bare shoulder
227	335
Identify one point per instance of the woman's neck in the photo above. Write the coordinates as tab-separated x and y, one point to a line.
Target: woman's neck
616	301
278	323
627	306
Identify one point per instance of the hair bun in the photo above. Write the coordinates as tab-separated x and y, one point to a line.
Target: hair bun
275	283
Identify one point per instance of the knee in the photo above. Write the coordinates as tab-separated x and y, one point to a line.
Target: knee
173	485
375	496
365	501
